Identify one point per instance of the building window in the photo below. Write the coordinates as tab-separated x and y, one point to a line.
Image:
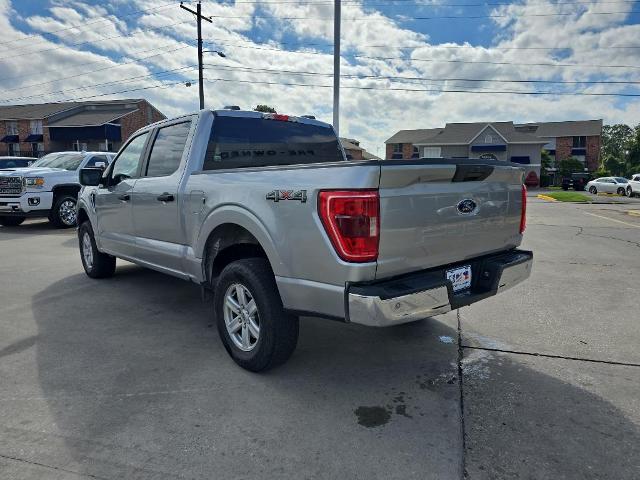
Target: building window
13	149
416	153
37	149
35	127
12	127
432	152
397	151
488	139
580	142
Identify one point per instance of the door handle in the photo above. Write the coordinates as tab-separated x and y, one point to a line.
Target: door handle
125	198
166	197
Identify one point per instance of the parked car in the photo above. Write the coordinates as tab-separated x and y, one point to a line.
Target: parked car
47	188
634	185
577	181
265	210
16	162
608	185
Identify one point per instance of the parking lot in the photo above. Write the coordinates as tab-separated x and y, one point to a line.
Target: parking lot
126	378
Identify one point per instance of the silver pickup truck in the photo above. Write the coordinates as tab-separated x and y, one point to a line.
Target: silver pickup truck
265	210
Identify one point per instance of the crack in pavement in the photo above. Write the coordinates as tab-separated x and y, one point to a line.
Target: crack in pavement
460	384
609	237
549	355
22	460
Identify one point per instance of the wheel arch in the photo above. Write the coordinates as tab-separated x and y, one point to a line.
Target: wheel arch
232	233
66	189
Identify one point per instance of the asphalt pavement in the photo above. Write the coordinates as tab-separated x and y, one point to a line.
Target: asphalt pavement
126	377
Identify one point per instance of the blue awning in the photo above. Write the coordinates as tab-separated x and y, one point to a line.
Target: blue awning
34	138
523	160
71	134
10	139
488	148
578	151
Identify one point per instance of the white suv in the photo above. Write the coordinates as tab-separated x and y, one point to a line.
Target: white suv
634	185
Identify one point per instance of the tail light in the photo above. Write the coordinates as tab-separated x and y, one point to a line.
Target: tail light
352	221
523	213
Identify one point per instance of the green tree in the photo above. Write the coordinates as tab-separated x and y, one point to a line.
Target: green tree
633	157
545	160
570	165
265	109
616	140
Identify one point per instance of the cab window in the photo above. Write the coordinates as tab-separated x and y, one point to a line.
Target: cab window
167	149
127	164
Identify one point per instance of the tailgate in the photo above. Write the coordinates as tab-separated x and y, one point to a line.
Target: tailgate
438	213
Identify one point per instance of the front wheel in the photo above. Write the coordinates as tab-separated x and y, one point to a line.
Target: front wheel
251	321
11	221
622	191
63	213
593	190
96	264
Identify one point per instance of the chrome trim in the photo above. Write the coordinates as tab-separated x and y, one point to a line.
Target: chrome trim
376	312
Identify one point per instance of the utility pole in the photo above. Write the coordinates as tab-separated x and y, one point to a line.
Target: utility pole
336	66
199	18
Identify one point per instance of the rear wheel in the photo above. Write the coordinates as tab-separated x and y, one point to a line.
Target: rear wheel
593	190
63	213
11	221
253	326
96	264
622	191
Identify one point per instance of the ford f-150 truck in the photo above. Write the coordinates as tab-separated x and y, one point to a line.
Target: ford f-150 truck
47	188
265	210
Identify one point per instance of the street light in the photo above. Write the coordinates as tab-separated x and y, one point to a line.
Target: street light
220	54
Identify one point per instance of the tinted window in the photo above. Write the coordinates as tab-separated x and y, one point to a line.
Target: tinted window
255	142
129	159
167	149
14	163
97	158
621	180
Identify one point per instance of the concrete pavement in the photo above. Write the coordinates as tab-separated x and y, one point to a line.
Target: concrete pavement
126	378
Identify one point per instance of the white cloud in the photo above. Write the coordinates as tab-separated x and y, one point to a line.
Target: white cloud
370	115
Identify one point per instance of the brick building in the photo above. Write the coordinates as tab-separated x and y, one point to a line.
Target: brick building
36	129
354	151
515	142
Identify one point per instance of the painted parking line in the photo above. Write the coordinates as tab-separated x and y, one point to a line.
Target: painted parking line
612	219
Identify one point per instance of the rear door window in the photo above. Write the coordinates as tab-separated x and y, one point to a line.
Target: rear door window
241	142
167	150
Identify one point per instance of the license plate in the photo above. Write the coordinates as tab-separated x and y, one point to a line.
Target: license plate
460	277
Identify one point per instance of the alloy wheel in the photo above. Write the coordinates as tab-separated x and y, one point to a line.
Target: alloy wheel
67	212
241	317
87	251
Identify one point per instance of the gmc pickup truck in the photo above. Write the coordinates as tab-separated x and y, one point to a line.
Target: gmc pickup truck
265	210
47	188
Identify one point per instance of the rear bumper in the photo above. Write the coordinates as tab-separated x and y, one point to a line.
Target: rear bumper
428	293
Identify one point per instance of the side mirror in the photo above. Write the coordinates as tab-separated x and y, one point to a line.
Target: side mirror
90	176
100	165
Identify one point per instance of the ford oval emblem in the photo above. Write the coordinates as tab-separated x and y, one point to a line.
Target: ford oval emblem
466	206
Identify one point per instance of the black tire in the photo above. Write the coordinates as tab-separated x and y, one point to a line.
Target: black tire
101	265
622	191
278	330
58	216
593	190
11	221
630	192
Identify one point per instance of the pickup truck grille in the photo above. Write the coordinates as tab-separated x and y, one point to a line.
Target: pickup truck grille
10	185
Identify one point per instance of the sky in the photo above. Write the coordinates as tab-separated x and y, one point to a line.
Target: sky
405	63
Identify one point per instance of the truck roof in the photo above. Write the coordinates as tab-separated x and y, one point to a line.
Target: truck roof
254	114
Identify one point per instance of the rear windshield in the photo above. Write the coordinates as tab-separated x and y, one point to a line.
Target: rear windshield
254	142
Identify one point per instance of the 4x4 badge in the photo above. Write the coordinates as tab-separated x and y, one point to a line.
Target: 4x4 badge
277	195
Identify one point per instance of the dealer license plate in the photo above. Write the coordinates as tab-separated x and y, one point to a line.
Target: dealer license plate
460	277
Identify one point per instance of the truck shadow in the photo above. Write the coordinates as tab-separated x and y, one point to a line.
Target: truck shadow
138	384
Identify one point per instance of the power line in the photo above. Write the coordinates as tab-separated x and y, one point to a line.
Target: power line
420	4
435	17
101	18
164	85
136	60
426	79
495	92
408	59
94	41
85	87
